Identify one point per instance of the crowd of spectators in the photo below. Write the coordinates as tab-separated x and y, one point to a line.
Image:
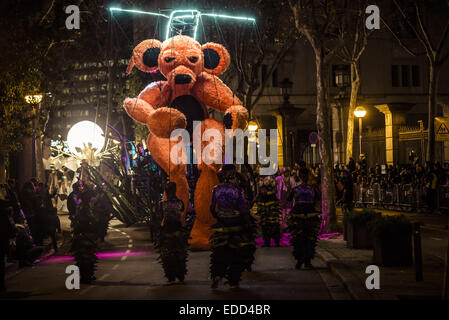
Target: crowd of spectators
355	176
412	176
28	218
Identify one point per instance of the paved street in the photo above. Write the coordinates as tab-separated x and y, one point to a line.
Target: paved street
128	269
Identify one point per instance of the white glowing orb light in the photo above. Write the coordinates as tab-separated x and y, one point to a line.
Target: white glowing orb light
83	133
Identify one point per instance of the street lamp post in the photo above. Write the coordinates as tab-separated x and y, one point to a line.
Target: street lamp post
35	100
286	90
360	112
343	81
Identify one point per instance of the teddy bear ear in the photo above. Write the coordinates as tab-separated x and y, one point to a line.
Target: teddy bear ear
216	58
145	56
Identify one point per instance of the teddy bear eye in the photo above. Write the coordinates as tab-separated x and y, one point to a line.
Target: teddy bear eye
169	59
193	59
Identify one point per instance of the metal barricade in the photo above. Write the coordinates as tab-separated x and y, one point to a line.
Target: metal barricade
443	197
401	197
407	198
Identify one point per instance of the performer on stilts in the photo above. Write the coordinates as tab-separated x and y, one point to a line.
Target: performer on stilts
173	239
304	222
268	209
230	239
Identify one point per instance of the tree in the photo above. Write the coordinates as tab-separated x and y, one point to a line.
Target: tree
38	55
429	24
316	20
352	29
255	49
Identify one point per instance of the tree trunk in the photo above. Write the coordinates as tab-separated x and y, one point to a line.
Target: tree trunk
355	85
40	170
329	218
2	169
434	73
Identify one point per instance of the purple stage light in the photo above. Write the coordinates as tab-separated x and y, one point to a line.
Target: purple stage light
285	241
326	236
119	254
58	259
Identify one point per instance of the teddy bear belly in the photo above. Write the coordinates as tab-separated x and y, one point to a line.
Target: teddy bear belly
192	110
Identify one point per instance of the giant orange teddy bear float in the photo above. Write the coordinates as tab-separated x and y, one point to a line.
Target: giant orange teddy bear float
190	89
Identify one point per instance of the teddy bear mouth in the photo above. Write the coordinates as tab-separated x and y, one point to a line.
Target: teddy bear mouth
183	79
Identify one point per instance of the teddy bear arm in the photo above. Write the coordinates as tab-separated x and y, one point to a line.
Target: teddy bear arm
156	94
214	93
138	109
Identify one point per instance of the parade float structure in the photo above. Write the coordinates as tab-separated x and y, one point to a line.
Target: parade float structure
190	89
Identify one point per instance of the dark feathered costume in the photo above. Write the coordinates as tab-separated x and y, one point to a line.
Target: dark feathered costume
303	224
250	228
85	234
173	240
269	210
232	241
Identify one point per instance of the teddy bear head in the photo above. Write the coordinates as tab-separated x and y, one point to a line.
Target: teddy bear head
181	59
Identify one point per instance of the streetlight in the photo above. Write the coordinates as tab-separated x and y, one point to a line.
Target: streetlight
35	100
287	110
286	88
360	112
342	81
252	126
342	77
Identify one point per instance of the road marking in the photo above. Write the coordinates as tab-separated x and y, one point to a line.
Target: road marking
104	276
92	286
115	267
123	258
128	251
438	239
130	240
128	236
130	245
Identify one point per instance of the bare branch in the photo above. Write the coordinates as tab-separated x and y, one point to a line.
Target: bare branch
418	35
442	42
48	12
402	44
423	29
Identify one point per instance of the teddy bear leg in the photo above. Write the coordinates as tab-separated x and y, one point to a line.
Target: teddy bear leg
201	231
212	150
159	148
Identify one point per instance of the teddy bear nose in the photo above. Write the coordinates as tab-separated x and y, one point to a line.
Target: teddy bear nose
182	79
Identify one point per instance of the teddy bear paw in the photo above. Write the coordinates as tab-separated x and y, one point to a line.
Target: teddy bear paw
164	120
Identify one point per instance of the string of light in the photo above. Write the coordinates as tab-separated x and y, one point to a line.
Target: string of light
194	15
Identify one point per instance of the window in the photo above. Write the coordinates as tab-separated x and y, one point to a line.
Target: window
264	73
405	72
416	78
395	75
274	79
405	75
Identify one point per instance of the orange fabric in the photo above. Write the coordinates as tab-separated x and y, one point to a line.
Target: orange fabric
139	50
201	231
182	55
225	58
